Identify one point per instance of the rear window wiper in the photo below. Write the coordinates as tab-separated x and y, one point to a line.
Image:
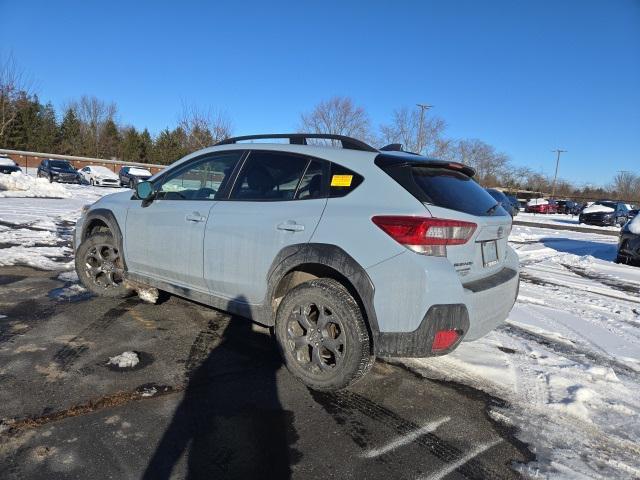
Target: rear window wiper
492	210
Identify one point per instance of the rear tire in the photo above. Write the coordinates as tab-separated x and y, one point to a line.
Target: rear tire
100	267
322	335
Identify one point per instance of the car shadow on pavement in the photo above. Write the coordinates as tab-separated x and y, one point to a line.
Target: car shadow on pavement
230	423
599	250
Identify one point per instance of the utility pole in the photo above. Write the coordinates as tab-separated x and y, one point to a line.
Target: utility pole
555	176
423	107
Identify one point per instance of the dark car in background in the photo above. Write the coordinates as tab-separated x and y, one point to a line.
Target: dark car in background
633	213
131	176
568	207
629	244
58	171
8	166
514	203
503	200
605	213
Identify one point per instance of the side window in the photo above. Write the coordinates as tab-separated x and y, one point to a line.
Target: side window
343	181
269	176
312	184
200	180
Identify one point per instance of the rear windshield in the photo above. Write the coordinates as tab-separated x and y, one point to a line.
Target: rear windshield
454	190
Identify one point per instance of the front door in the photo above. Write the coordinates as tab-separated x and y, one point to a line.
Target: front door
277	201
164	238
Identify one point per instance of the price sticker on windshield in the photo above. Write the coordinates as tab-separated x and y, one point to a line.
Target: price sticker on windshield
341	180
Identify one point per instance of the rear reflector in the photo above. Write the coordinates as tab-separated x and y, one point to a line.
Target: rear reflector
444	339
425	234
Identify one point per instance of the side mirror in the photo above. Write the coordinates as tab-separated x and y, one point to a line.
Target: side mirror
144	190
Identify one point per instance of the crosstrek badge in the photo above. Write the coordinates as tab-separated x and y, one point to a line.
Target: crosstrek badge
341	180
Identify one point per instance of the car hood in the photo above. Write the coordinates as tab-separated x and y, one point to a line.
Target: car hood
598	209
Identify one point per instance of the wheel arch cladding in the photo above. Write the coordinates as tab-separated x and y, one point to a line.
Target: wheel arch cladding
296	264
103	217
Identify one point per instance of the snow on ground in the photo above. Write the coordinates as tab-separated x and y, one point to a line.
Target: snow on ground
568	360
558	219
37	231
124	360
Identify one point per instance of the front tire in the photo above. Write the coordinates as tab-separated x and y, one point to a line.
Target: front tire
100	267
323	336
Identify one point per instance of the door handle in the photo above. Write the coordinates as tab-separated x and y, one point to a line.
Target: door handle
290	226
195	217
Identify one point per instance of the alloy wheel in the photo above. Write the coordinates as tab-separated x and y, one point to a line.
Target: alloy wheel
316	339
103	266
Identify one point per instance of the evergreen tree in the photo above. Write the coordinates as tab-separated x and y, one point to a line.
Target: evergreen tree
46	129
131	145
146	147
70	137
110	140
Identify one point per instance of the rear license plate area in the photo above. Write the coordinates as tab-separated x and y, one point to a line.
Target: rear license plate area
489	253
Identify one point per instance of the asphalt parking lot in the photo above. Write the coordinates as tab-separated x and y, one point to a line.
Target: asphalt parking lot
211	399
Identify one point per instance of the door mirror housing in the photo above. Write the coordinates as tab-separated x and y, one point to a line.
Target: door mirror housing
144	190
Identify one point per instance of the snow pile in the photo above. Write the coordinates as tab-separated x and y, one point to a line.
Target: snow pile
148	294
124	360
634	226
538	201
103	172
595	208
20	185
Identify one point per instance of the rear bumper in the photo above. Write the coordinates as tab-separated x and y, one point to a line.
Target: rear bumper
406	288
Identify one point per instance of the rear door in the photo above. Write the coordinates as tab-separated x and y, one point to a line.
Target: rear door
277	201
164	238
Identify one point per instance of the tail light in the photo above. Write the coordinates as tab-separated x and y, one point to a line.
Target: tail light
424	235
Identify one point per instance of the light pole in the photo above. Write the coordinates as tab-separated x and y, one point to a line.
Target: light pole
555	176
423	107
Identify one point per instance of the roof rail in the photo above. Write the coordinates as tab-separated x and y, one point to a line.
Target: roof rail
301	139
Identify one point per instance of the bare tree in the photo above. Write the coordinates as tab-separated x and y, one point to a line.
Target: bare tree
203	128
93	114
625	185
489	164
425	137
13	86
337	116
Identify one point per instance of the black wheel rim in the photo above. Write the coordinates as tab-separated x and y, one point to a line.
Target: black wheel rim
103	266
316	339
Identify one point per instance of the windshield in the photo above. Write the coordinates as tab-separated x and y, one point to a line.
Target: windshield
60	164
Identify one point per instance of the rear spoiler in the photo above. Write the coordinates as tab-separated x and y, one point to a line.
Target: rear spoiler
394	159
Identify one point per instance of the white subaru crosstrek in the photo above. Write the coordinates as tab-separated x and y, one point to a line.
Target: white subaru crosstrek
349	253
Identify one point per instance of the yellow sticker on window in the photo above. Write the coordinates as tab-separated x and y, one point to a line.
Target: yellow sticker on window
341	180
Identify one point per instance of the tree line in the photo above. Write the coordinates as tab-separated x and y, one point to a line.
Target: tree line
88	126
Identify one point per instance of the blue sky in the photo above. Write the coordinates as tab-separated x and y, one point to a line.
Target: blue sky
525	76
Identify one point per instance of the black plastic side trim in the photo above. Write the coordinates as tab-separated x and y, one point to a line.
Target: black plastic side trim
418	343
492	281
333	257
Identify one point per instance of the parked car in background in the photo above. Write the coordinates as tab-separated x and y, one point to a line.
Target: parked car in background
99	176
541	205
275	231
515	203
568	207
58	171
605	213
629	243
8	166
504	201
130	176
633	213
